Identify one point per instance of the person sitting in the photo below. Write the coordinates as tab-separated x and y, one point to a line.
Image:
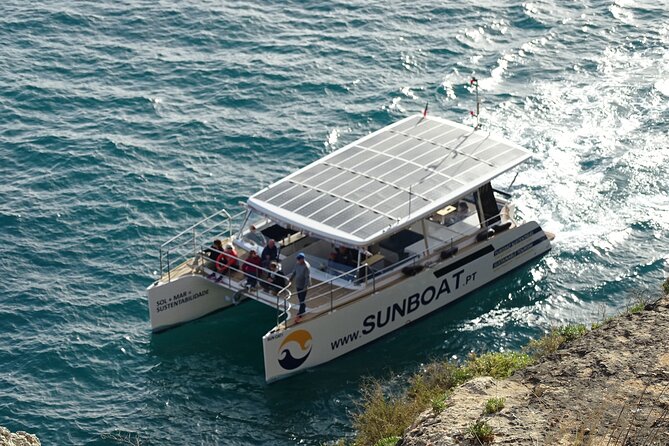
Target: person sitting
250	267
270	253
276	279
461	213
211	254
255	237
226	260
343	256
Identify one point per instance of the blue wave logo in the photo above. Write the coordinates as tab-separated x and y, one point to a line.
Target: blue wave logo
297	349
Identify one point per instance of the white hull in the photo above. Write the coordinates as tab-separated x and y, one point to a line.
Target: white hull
333	334
185	299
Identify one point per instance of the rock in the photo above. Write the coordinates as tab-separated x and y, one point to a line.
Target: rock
19	438
612	382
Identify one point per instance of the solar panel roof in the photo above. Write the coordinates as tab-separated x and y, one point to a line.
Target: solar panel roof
383	182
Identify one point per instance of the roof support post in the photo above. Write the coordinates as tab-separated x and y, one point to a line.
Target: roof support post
427	245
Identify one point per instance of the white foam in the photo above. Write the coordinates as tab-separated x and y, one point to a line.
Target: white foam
406	91
662	86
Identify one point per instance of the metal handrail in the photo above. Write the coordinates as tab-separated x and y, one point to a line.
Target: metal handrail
180	244
285	304
279	295
415	257
222	211
269	271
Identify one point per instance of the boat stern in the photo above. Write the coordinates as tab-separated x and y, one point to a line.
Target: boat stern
185	299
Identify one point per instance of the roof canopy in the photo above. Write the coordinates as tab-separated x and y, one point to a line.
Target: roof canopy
383	182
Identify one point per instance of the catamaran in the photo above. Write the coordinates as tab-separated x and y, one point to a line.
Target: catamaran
394	226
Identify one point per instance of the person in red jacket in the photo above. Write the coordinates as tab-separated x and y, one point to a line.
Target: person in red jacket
226	260
251	268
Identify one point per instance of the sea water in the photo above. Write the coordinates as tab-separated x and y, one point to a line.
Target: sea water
122	123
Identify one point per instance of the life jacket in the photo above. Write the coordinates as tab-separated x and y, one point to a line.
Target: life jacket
226	260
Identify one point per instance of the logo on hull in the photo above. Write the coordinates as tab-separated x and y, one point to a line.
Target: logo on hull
297	349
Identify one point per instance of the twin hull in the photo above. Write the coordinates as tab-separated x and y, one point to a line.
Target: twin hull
330	335
333	334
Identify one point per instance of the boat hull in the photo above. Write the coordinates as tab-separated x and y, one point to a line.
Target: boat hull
185	299
349	327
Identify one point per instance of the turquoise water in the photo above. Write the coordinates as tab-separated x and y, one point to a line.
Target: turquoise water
122	123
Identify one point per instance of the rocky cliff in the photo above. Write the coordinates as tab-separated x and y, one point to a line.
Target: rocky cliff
609	387
19	438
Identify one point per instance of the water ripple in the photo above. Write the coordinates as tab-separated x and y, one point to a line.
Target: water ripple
122	123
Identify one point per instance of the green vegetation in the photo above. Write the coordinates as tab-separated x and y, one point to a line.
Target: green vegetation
497	365
482	432
556	338
388	441
383	416
440	403
638	303
494	405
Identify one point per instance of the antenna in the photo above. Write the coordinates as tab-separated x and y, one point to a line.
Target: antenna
514	180
475	82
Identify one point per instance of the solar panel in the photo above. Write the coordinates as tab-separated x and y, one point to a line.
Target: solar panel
361	193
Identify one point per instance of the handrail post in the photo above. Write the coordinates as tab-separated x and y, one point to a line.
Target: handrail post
161	261
169	269
285	310
277	307
194	249
331	297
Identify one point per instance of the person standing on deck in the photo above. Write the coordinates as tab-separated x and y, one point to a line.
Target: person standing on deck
301	275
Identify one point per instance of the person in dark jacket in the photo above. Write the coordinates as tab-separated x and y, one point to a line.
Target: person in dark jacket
212	253
270	253
301	275
276	279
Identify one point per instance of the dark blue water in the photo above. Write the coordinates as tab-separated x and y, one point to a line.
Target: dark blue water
122	123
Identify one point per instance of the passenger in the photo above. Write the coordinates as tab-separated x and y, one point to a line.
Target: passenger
343	256
270	253
250	267
210	256
255	237
301	275
275	280
226	260
461	213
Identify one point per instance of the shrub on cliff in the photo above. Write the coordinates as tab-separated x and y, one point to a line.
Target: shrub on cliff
381	415
556	338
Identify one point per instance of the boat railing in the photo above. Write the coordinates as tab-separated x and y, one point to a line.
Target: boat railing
186	244
282	294
330	290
